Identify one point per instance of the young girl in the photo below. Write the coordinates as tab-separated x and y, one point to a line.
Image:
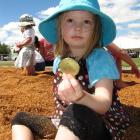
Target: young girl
40	62
87	104
25	59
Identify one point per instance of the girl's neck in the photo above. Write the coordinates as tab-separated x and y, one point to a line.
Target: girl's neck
77	53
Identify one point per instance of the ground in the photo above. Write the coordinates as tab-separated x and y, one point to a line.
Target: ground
34	94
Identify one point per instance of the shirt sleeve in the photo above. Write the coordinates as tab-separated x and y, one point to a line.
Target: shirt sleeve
29	33
56	64
101	65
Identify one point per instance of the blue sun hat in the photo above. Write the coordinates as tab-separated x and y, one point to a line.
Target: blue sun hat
48	27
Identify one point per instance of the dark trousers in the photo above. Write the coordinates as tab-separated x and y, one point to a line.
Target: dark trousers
40	66
82	121
49	63
85	123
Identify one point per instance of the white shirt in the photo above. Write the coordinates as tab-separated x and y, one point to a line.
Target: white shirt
38	57
29	33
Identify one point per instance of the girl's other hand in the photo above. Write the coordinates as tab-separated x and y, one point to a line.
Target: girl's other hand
69	89
18	45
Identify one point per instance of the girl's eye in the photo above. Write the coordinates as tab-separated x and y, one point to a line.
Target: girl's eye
69	20
87	22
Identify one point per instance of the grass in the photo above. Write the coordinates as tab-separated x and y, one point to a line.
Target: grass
6	63
136	60
11	63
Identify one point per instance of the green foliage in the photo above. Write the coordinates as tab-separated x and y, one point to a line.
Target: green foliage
136	60
4	49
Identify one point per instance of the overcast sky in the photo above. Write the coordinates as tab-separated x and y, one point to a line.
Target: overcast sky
125	13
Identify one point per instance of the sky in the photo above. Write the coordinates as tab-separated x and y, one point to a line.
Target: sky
125	13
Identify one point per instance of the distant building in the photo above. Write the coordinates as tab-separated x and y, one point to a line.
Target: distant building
5	57
134	52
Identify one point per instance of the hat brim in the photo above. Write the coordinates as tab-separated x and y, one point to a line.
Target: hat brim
23	24
48	27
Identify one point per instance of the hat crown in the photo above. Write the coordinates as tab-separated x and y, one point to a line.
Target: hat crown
26	18
90	3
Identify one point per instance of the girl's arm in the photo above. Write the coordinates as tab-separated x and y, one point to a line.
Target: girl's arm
123	55
25	42
101	100
70	90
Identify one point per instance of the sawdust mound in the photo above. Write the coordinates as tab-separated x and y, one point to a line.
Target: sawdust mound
34	94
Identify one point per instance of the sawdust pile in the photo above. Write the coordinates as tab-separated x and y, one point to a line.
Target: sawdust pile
34	94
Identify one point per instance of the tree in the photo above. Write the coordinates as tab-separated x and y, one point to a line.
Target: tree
4	49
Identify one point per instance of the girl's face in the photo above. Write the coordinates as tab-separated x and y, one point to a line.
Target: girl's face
77	28
22	29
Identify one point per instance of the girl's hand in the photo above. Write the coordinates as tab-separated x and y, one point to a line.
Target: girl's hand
69	89
18	45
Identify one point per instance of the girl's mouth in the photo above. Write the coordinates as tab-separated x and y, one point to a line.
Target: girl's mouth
77	37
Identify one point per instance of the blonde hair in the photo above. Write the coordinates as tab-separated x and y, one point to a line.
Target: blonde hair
61	48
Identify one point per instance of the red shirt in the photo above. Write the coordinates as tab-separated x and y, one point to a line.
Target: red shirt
46	50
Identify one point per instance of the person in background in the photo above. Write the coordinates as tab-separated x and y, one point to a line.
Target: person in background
87	104
119	55
40	62
36	43
47	51
26	57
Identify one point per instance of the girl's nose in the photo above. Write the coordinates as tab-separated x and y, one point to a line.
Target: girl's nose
78	26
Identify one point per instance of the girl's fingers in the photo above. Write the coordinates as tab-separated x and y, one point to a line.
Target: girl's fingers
65	88
76	87
75	84
64	76
69	89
